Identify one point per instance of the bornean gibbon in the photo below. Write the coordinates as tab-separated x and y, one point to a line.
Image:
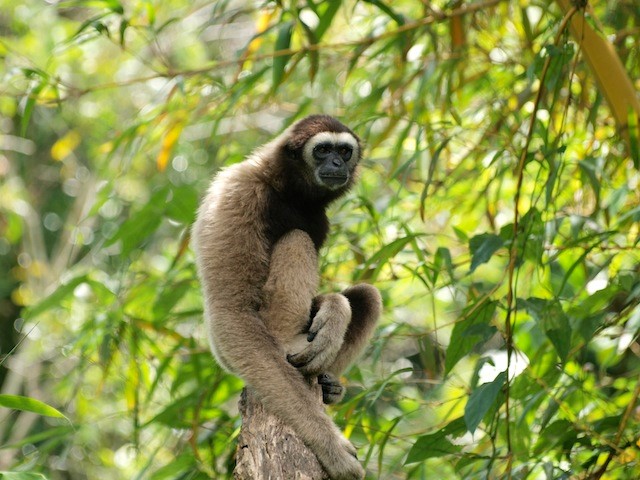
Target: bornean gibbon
256	239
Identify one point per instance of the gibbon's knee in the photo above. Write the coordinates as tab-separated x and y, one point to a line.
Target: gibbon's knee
366	306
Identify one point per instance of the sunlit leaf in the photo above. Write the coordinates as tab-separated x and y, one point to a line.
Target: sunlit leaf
329	10
170	138
55	299
65	145
384	255
28	404
21	476
182	204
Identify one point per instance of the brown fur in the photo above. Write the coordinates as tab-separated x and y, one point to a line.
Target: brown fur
256	240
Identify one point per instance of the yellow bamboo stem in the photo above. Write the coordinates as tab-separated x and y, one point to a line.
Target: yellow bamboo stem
607	68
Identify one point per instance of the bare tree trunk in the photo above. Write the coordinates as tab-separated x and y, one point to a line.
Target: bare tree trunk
268	449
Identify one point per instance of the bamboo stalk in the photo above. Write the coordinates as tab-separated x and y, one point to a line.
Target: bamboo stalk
612	78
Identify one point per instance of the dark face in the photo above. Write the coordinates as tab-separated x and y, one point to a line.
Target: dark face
332	156
332	163
321	156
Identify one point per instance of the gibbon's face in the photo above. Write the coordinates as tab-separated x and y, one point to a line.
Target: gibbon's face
333	157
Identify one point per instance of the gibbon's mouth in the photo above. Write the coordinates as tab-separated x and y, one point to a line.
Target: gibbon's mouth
334	180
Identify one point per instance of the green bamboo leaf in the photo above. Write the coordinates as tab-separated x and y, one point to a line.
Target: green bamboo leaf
432	168
21	476
93	22
373	266
28	404
32	97
50	434
283	42
482	248
114	5
473	330
141	224
436	444
312	55
481	400
443	259
182	204
55	299
124	24
176	468
383	443
385	7
553	320
560	431
326	17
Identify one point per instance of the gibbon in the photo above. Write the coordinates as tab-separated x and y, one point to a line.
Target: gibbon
256	240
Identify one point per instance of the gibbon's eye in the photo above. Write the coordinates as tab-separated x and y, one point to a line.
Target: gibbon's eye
322	149
345	151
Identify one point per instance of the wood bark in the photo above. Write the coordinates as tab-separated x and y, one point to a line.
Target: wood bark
268	449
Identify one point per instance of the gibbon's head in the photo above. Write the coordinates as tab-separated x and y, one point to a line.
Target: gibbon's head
321	155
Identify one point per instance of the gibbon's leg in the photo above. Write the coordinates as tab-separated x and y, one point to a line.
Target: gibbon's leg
293	279
254	343
366	306
290	287
248	346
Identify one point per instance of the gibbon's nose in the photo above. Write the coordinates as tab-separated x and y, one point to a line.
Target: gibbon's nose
337	161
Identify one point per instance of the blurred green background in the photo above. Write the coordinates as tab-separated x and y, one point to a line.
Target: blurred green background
497	211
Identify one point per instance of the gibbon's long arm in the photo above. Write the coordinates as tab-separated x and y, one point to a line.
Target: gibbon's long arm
311	344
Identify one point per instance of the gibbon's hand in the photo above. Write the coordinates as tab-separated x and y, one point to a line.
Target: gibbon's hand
325	336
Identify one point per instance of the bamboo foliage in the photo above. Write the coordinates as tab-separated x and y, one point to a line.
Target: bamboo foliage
496	211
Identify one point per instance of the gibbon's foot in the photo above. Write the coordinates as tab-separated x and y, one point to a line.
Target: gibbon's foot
327	333
332	389
343	463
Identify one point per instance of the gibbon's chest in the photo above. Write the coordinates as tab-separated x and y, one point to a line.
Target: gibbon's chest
282	216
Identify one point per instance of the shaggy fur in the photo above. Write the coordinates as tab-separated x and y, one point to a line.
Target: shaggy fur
256	240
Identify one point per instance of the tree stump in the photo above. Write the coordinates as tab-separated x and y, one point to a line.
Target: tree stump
268	449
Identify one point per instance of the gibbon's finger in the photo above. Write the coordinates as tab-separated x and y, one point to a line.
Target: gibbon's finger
305	357
298	360
319	321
